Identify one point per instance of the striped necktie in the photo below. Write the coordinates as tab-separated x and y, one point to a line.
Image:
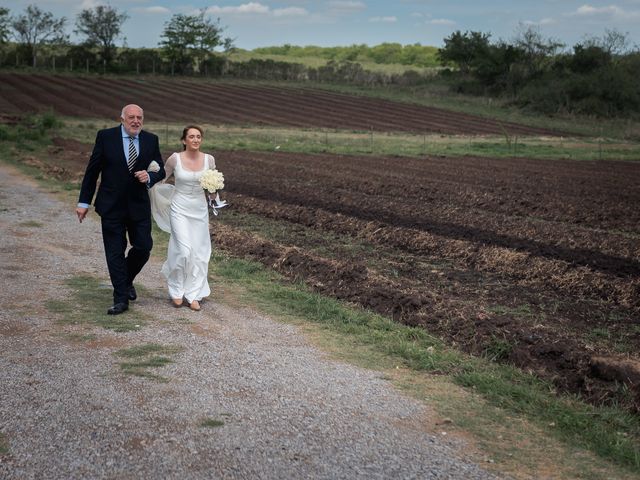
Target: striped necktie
133	155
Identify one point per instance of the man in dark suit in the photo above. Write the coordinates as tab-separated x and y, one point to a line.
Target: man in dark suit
121	156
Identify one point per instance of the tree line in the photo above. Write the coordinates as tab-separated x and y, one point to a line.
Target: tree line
188	43
597	76
415	55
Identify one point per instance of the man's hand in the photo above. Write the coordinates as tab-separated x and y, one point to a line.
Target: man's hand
142	176
81	213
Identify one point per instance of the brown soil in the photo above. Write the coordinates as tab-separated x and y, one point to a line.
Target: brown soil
189	100
535	263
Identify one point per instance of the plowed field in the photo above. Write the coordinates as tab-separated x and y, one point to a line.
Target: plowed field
535	263
185	100
531	262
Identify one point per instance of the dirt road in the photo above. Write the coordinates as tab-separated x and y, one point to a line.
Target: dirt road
244	396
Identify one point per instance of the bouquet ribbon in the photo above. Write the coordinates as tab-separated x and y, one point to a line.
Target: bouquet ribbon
215	203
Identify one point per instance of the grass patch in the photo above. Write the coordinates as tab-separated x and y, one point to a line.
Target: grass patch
88	306
411	145
4	444
148	349
78	338
498	349
142	358
30	224
609	433
397	144
211	423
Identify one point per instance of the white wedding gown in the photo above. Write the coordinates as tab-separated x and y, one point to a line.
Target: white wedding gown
183	212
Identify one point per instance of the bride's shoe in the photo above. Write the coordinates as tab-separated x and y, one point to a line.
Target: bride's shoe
177	302
195	305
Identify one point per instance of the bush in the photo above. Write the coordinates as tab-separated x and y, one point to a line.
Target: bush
5	133
48	121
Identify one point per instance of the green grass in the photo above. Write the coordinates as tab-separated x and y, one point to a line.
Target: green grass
80	338
410	145
316	62
30	224
342	142
211	423
611	433
88	305
4	444
139	360
148	349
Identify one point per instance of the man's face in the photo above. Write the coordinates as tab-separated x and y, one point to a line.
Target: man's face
132	121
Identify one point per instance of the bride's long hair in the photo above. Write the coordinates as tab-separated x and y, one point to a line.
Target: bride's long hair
184	134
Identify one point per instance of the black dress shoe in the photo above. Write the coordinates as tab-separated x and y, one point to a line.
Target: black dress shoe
118	308
132	293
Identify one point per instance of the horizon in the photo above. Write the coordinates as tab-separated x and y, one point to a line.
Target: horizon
343	23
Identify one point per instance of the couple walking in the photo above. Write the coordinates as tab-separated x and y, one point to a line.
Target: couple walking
123	157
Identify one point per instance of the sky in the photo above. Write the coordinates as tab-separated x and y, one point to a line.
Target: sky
327	23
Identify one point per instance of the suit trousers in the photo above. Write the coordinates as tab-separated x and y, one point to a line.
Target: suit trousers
123	269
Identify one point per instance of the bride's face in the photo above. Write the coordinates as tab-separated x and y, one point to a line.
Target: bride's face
193	139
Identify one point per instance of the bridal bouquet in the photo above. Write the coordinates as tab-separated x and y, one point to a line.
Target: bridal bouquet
212	181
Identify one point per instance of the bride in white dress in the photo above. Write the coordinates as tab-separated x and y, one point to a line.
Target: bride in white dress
186	218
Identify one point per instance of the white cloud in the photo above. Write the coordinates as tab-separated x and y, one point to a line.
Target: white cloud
290	12
346	6
152	10
542	22
383	19
255	8
606	13
588	10
245	8
441	21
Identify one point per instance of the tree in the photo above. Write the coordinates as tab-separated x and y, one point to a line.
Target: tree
36	28
538	51
101	25
587	59
189	40
386	53
614	42
179	36
463	49
496	69
4	25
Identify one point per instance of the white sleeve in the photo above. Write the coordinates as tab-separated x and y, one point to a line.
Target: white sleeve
161	194
212	162
170	165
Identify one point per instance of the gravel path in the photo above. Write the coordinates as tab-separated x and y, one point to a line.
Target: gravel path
67	411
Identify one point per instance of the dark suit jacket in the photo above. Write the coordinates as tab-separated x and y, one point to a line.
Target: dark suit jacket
120	194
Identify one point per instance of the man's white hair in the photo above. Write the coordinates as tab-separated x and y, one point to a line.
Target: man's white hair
130	105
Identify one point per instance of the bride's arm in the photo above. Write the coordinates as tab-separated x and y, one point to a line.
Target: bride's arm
212	162
170	165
